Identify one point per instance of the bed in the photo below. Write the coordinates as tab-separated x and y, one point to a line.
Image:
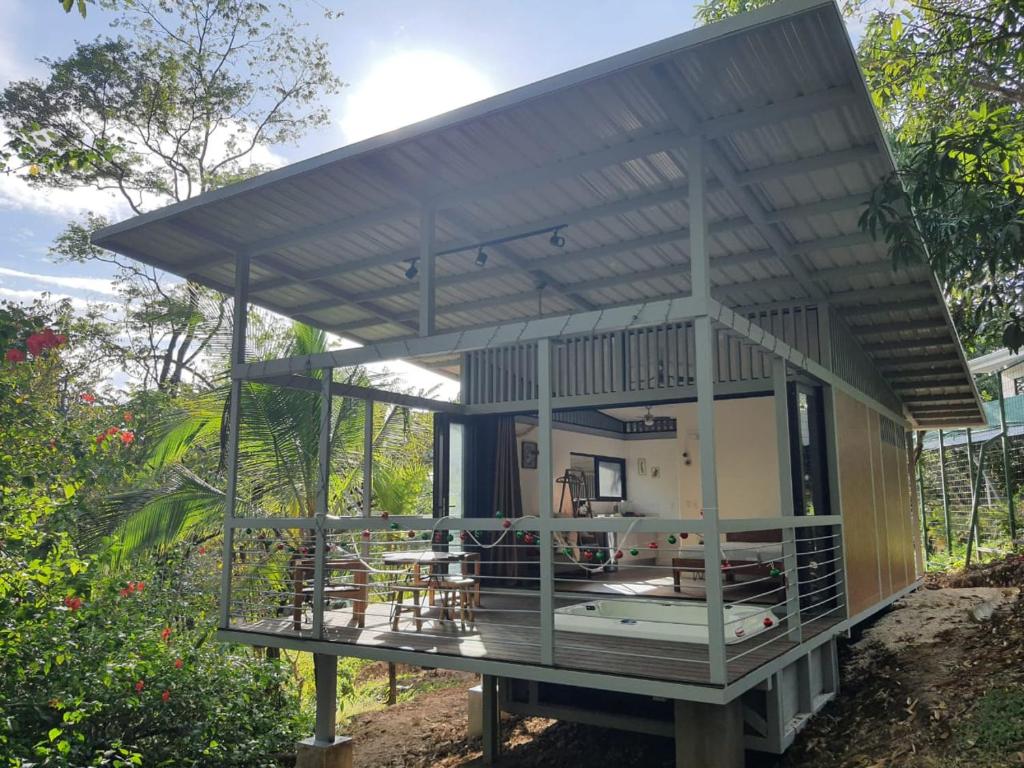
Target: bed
748	553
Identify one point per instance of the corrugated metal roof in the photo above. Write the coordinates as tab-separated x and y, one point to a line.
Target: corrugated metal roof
797	147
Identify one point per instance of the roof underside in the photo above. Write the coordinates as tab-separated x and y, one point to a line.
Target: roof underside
794	150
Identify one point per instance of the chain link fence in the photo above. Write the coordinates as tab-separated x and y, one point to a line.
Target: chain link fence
970	483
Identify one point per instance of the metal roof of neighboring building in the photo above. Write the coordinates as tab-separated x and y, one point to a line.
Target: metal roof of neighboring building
795	148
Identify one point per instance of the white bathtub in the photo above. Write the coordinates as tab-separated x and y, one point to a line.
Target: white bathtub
683	621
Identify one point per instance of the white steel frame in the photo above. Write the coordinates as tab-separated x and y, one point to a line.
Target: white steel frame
708	316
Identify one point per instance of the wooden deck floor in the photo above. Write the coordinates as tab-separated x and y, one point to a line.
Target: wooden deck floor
507	628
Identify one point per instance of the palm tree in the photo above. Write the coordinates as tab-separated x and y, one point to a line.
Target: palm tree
278	469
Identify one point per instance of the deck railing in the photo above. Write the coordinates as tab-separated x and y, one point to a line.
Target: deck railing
519	590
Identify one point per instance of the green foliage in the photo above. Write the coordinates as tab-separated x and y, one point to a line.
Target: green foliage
948	79
996	724
69	5
74	639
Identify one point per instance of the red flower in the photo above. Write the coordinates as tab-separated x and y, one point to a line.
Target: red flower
139	685
100	438
166	695
127	416
36	344
14	356
124	593
202	550
127	437
87	397
72	603
166	634
111	431
131	586
140	586
178	663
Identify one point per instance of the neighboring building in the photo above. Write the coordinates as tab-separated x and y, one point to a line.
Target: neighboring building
1009	366
714	353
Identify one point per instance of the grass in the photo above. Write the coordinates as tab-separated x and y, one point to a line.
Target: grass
996	723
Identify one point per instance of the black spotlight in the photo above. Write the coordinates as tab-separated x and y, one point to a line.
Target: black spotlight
557	240
412	271
481	258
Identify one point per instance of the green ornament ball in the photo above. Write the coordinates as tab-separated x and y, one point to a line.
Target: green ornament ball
774	572
634	551
567	551
671	539
425	535
451	537
600	554
499	514
520	534
394	526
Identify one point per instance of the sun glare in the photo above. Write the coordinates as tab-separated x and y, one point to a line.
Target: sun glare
408	87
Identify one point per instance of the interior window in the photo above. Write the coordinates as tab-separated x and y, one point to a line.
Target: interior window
603	476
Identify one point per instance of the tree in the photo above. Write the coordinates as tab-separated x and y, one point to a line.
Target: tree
947	77
279	465
69	5
189	96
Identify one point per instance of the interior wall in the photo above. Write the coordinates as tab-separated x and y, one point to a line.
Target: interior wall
877	506
746	458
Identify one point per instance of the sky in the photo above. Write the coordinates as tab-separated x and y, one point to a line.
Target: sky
401	60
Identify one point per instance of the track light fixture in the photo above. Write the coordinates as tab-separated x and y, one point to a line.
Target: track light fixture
413	270
557	240
481	257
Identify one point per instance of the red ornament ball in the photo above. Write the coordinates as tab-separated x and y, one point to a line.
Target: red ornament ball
768	621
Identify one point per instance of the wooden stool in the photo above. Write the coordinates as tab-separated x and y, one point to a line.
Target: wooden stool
471	570
456	592
398	607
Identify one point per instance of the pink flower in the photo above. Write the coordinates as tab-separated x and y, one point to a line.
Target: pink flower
14	356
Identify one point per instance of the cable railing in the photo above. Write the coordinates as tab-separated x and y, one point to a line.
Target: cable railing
633	596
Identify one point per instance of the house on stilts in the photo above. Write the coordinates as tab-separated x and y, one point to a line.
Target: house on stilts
679	467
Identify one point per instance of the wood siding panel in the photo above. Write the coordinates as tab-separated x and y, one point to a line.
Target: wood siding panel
858	504
898	535
878	489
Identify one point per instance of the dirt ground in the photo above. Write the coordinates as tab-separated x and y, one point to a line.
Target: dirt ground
936	682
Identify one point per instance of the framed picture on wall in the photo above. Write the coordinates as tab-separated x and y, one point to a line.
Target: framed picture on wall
529	457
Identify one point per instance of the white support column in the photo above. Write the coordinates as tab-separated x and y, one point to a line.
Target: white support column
322	500
238	335
545	486
786	500
704	341
364	545
426	267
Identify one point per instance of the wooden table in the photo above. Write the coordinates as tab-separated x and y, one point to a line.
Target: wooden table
305	568
432	559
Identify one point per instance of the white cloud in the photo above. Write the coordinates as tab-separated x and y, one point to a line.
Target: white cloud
89	284
17	194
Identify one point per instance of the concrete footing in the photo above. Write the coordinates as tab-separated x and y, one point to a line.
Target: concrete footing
475	712
311	753
709	736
